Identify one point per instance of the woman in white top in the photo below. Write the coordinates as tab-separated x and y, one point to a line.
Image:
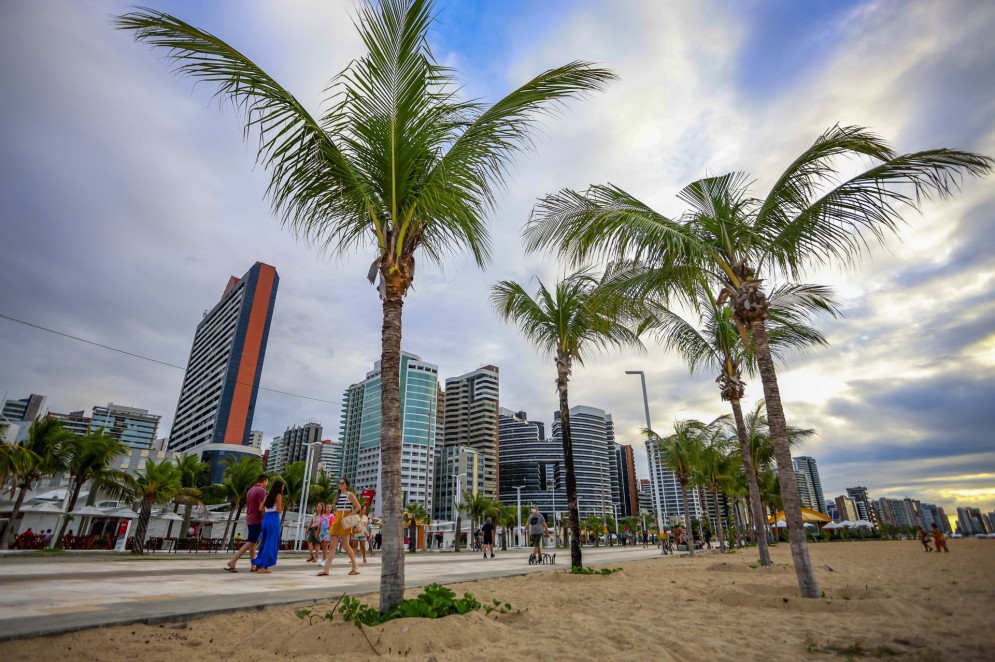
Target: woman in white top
269	546
345	506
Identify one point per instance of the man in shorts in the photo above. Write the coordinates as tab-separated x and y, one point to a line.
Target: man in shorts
254	521
487	531
537	529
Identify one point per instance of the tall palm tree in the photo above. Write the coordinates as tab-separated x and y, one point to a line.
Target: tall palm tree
681	453
193	474
507	518
44	452
811	215
240	475
89	456
398	163
159	482
577	316
713	466
293	476
713	343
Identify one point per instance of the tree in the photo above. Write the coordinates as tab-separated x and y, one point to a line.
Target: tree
713	343
811	216
44	452
507	519
399	162
322	488
90	456
192	476
713	466
160	482
241	473
293	476
415	513
577	316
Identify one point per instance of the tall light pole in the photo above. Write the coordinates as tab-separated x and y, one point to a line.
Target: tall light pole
457	502
299	529
649	426
521	534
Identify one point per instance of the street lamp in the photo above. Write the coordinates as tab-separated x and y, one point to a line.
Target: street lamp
457	502
299	529
518	501
649	426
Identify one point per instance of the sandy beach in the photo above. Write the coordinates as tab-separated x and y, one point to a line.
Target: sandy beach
881	599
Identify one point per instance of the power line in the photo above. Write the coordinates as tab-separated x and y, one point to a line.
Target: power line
148	358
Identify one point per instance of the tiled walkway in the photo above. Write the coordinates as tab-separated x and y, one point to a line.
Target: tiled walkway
63	594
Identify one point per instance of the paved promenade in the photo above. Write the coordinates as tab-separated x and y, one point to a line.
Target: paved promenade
49	595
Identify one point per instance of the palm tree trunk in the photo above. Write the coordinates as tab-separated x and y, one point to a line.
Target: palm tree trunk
187	514
237	517
8	536
169	529
77	487
718	519
687	516
563	377
392	563
138	544
459	530
231	511
755	503
790	499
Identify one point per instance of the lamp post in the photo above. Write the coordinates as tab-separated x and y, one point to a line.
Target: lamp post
305	488
518	501
649	426
457	502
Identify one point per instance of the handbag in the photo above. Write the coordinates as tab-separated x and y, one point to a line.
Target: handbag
350	521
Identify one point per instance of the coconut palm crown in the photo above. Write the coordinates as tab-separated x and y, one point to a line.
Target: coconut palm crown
398	164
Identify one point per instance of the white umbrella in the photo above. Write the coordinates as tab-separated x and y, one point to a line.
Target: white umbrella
170	516
89	511
846	522
863	524
123	513
781	524
831	525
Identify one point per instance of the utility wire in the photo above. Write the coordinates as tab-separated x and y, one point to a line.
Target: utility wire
147	358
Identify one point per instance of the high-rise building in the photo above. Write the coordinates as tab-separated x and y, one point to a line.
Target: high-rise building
133	426
419	383
808	466
218	397
848	508
18	415
458	470
592	434
294	445
276	457
645	496
806	491
471	415
330	460
256	439
76	422
531	463
865	507
971	522
832	511
626	470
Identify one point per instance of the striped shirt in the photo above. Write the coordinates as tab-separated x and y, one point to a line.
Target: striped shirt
343	502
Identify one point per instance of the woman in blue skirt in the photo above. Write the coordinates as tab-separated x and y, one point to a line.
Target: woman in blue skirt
270	545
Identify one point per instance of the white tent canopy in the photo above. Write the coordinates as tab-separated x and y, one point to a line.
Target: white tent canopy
832	526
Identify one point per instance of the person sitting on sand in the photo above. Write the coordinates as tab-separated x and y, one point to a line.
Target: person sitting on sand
938	540
923	538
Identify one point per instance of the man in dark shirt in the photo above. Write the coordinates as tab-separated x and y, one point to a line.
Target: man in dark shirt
253	520
488	532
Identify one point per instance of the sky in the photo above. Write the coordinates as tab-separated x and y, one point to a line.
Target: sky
129	199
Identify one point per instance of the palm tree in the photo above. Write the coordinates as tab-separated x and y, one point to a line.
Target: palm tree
322	489
714	343
293	476
90	456
160	482
44	452
576	316
713	466
399	162
811	215
507	518
414	512
681	453
192	475
477	506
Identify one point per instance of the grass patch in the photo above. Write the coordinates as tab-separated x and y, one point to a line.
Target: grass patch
577	570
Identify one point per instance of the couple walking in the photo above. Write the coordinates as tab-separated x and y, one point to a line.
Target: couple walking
262	518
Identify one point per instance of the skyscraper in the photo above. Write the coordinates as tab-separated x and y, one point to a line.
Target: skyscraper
808	466
626	469
214	413
361	439
471	415
135	427
18	415
593	435
668	502
532	463
294	446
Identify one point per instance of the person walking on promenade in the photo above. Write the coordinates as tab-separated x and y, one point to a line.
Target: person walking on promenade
537	530
923	538
270	546
487	530
324	530
346	507
939	541
359	533
313	545
708	538
253	520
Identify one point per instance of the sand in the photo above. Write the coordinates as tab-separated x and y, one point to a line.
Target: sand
881	599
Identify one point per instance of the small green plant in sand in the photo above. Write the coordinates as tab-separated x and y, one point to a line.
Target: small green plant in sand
576	570
851	651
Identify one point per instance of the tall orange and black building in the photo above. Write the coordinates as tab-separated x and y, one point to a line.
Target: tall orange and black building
214	414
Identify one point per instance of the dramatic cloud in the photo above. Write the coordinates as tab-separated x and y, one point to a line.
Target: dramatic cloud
129	199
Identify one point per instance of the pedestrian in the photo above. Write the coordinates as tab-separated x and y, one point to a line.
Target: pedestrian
346	508
939	541
487	531
923	538
378	540
253	521
537	530
324	530
359	532
708	538
48	536
313	544
270	545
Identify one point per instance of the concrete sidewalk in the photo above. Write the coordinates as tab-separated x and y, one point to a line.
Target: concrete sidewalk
40	597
